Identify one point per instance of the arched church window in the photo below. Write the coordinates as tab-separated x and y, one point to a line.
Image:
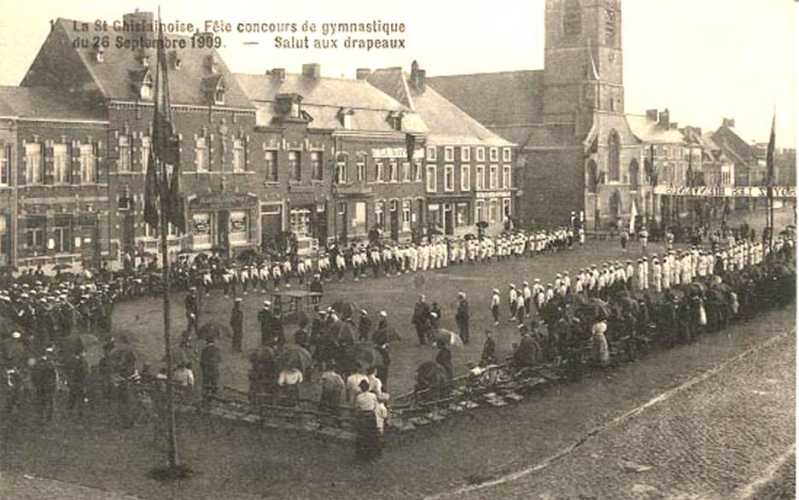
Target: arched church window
610	22
614	151
572	18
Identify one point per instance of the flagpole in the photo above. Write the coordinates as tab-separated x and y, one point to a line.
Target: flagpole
172	445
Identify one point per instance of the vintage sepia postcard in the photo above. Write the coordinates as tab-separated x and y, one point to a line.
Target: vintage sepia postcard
527	249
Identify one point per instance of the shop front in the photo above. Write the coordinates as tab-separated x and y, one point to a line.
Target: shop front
451	216
222	222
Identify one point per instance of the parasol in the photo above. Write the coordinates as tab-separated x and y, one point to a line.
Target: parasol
294	356
213	330
448	337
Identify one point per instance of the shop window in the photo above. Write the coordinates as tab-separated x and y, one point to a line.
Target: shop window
493	211
462	214
359	219
380	216
62	234
33	163
238	227
270	158
479	211
34	233
300	221
201	229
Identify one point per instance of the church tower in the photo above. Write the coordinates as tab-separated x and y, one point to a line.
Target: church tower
583	61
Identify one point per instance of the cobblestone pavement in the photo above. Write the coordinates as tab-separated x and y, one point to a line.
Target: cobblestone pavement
236	461
711	440
26	487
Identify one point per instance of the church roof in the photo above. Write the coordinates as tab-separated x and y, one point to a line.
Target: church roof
446	122
502	101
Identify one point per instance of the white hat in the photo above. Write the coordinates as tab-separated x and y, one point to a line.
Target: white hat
16	335
238	299
383	314
267	303
435	315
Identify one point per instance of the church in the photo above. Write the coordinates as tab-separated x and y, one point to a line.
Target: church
580	151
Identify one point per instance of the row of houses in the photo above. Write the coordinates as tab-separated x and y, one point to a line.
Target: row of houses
328	159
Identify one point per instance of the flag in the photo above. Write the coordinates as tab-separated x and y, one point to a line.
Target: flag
770	152
633	215
163	151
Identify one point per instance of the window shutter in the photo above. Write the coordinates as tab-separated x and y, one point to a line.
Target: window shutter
47	148
99	163
247	153
74	170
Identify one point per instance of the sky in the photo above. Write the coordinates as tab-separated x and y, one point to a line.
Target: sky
702	59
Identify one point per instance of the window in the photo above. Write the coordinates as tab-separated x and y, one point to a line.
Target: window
88	165
316	165
360	165
359	219
201	154
380	216
417	171
506	213
507	181
493	210
200	229
481	154
506	156
238	156
219	95
60	164
449	153
295	165
406	215
34	233
493	154
123	163
270	158
144	151
465	181
479	211
613	156
406	171
461	214
341	171
466	153
5	164
449	178
480	178
493	177
431	179
33	163
393	171
431	153
300	221
146	91
62	234
378	171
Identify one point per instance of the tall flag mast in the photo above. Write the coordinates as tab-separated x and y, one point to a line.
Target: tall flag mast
163	206
770	177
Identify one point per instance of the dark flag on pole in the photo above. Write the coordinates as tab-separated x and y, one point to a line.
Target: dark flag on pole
163	183
770	152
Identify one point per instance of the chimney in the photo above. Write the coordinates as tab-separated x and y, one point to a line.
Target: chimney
728	122
652	115
663	120
417	76
278	74
673	126
362	73
312	71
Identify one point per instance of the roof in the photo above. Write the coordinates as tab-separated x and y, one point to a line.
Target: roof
733	145
447	123
116	74
46	102
508	99
324	99
649	131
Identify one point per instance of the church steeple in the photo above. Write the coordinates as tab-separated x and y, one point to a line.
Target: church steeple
583	58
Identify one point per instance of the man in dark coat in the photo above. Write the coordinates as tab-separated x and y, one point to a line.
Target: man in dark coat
381	339
77	376
421	319
44	380
237	324
364	326
462	317
210	361
191	311
266	322
316	286
489	356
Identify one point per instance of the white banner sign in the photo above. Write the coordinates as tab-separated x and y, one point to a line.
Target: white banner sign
727	192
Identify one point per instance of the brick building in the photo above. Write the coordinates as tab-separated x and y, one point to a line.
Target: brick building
468	170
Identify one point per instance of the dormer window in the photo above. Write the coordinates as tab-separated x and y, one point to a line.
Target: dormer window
146	89
214	89
219	95
345	117
212	64
395	120
288	105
